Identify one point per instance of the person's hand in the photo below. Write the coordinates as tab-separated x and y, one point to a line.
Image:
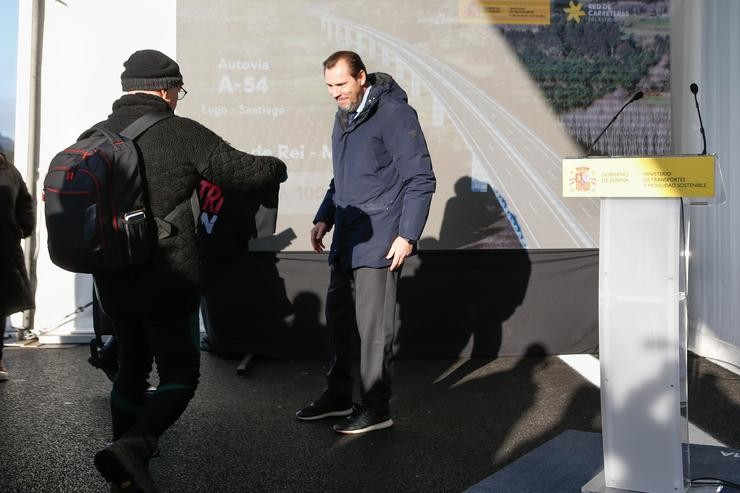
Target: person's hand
400	249
317	235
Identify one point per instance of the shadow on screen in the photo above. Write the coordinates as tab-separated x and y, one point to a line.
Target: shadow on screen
474	218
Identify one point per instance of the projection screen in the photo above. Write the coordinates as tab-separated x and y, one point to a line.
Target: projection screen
504	90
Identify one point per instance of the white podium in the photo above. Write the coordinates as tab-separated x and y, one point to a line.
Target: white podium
642	339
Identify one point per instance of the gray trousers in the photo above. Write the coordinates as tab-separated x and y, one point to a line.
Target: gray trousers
363	300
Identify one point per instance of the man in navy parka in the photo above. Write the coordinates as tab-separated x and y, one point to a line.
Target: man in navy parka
378	203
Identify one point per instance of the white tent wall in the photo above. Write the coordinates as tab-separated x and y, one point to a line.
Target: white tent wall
705	40
83	44
25	130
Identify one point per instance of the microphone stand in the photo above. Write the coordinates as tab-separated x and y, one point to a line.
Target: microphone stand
634	98
694	90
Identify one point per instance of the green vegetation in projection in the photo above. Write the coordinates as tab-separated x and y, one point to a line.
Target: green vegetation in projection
576	63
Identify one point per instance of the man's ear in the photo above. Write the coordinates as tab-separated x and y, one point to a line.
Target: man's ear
362	77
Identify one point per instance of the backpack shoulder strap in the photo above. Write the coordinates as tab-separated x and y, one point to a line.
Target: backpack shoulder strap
142	124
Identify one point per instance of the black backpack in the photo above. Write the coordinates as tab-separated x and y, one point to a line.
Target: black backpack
96	205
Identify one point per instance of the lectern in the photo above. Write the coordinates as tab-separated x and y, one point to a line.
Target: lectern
642	339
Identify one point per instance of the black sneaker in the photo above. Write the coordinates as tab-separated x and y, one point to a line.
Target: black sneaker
325	406
363	420
125	464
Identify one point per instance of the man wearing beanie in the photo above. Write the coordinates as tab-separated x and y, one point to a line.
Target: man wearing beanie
154	305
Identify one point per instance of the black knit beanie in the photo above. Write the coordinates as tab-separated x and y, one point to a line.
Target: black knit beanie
150	70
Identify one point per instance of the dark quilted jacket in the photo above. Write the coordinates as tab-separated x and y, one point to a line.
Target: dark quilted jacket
17	219
177	152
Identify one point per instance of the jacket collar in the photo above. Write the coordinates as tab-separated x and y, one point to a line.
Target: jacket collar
141	103
380	85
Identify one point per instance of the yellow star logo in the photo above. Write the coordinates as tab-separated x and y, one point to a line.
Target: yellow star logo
575	12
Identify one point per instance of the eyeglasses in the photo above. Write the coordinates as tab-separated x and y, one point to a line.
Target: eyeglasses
181	94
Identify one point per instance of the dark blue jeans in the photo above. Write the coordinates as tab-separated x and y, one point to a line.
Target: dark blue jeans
173	345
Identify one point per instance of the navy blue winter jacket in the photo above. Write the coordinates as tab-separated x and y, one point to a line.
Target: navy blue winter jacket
383	179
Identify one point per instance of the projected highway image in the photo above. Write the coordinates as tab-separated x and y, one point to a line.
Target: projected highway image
496	127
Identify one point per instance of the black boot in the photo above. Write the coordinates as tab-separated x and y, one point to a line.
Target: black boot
125	464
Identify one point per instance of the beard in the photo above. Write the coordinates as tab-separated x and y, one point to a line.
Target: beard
343	114
353	105
354	101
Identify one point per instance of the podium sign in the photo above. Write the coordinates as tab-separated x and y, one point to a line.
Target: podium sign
669	176
642	346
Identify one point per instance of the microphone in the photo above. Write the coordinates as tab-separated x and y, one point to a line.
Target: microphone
694	90
638	95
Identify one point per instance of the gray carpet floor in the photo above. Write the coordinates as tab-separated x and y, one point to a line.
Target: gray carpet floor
456	423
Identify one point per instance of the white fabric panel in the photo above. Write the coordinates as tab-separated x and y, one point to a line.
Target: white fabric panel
705	39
